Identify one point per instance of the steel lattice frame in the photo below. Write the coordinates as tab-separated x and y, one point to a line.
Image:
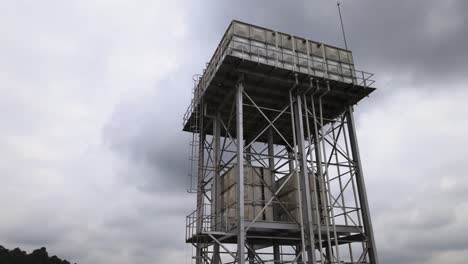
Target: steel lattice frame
334	224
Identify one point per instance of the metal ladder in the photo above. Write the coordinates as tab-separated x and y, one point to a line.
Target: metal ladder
194	144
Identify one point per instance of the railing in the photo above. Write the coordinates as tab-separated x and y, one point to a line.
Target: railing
206	222
263	53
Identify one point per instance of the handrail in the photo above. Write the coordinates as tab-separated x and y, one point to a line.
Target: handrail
208	222
275	57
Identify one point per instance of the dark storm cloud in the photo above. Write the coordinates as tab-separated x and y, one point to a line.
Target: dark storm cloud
426	39
407	42
388	38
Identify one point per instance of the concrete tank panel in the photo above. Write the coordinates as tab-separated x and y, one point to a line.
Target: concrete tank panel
289	198
257	184
283	50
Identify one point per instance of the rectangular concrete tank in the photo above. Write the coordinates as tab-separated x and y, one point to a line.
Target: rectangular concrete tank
257	184
289	198
262	45
286	51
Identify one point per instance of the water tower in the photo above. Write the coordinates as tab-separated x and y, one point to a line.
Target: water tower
275	162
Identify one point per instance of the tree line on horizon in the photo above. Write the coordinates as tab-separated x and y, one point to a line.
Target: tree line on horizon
38	256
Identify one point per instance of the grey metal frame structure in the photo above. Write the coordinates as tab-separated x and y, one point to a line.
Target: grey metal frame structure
299	126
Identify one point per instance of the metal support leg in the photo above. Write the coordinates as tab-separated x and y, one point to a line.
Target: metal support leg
240	176
291	160
321	185
248	154
271	165
305	186
201	191
276	253
216	184
361	188
251	255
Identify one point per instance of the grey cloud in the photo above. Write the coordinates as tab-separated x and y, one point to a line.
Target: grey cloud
423	39
413	169
404	36
149	133
32	237
392	39
418	216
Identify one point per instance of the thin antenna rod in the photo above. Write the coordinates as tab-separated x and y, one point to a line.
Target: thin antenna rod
342	26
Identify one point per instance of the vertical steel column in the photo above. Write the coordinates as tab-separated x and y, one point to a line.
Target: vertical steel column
271	158
216	183
251	255
291	159
361	187
302	254
305	190
240	174
328	201
321	185
201	189
271	166
217	176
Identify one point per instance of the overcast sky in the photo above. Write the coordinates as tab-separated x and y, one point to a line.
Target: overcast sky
92	92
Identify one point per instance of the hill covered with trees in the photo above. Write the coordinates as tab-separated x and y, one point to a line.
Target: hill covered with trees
38	256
